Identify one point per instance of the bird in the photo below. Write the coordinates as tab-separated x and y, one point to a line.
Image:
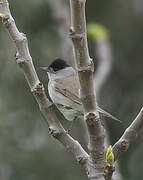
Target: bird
64	90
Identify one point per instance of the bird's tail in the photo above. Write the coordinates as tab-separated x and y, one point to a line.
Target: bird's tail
107	114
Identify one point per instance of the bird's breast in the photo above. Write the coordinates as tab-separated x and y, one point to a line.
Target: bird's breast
56	96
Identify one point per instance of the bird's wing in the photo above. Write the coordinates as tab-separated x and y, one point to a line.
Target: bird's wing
69	87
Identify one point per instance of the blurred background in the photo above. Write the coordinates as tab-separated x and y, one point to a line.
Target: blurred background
27	151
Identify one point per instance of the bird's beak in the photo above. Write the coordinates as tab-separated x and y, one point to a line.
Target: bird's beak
45	69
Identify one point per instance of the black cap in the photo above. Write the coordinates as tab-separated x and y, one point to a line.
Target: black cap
58	64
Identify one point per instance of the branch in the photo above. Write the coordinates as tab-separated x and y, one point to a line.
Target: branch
87	92
24	61
129	135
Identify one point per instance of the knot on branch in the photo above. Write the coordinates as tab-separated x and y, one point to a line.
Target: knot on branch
20	60
4	19
55	132
74	35
21	38
124	145
38	89
89	67
91	118
81	159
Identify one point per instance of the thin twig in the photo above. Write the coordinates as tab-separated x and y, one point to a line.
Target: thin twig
129	135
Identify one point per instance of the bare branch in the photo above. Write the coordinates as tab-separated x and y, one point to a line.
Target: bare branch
129	135
85	68
24	61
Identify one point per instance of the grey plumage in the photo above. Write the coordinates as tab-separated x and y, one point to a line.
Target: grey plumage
64	91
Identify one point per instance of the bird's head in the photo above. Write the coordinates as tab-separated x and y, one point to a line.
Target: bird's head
55	66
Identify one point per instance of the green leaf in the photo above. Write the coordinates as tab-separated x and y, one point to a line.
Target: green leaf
97	32
110	156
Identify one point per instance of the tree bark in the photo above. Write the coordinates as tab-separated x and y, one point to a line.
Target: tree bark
85	68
